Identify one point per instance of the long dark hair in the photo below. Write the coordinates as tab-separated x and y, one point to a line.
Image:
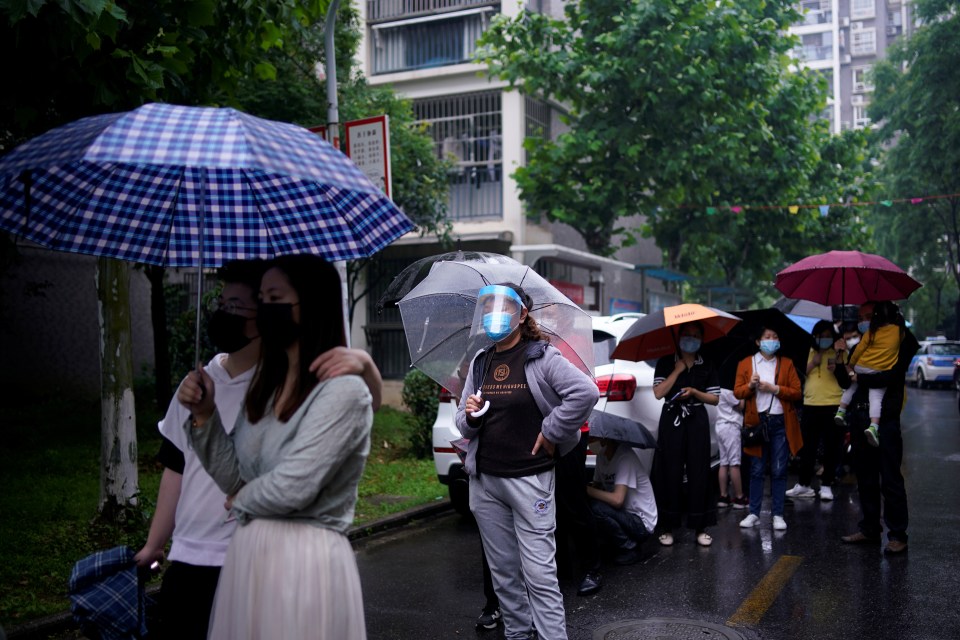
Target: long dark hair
886	312
321	328
529	330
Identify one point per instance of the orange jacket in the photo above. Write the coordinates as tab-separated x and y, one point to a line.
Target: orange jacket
790	392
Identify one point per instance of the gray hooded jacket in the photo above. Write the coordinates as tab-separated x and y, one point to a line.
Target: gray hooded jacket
564	394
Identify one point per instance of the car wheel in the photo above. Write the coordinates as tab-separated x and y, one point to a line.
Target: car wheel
921	381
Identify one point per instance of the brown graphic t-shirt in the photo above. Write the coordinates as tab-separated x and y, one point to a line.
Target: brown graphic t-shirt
511	427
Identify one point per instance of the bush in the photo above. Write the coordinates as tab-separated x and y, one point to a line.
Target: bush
421	395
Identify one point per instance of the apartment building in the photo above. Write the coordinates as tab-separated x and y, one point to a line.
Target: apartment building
423	49
843	39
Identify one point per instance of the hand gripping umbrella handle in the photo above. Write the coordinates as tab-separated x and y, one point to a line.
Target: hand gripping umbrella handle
480	412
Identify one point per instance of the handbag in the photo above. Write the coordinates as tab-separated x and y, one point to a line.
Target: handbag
758	434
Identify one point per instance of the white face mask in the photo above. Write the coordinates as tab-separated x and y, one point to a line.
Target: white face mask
852	342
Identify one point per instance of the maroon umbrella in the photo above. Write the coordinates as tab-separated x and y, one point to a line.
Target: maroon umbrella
845	277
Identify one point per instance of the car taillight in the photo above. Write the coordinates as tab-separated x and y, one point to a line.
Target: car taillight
446	396
617	386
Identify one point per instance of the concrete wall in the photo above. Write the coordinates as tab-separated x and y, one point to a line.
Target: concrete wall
49	325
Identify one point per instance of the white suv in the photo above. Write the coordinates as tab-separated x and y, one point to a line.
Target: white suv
626	390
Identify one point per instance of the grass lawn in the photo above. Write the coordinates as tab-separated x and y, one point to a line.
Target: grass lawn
49	475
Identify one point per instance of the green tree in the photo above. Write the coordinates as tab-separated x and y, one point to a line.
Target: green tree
673	106
419	177
915	102
73	58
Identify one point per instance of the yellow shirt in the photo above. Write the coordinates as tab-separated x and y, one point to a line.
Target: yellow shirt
821	388
878	351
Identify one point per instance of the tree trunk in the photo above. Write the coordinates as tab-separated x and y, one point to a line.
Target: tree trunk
118	432
162	389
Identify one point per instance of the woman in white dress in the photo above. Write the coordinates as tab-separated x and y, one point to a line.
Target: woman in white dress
291	469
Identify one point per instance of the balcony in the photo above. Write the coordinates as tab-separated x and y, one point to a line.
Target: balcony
812	53
389	10
429	41
815	17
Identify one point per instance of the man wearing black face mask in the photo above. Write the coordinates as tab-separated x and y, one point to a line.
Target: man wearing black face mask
190	507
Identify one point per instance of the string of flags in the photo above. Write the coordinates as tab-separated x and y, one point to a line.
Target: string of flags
824	209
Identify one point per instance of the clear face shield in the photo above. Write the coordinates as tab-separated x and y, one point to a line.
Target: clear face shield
498	311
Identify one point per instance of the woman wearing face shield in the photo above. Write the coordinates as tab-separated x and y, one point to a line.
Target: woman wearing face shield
538	401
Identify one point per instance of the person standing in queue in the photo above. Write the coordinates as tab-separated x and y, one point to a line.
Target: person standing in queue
189	504
538	401
880	483
687	382
770	385
290	468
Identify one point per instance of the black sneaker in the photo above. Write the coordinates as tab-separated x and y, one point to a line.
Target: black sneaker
488	619
592	582
724	501
627	557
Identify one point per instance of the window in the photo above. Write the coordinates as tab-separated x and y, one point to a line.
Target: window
861	75
863	42
860	119
536	120
815	46
861	9
429	41
380	10
466	130
815	12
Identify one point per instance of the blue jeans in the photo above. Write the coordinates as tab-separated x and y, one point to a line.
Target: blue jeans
625	529
778	453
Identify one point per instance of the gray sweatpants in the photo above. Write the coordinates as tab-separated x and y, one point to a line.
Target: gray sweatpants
517	518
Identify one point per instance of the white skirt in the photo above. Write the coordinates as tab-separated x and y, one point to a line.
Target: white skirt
287	580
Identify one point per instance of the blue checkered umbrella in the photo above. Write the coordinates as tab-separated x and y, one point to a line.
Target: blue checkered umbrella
107	597
140	185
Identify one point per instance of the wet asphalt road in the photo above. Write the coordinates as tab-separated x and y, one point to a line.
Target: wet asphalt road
424	581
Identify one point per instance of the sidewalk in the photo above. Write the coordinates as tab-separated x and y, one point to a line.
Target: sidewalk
62	627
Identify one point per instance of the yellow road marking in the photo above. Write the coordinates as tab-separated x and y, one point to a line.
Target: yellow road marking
763	595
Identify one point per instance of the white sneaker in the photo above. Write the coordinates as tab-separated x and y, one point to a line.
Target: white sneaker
826	493
800	491
749	522
779	524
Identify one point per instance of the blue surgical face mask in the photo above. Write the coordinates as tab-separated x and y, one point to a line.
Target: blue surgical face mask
499	325
769	347
689	344
863	327
825	343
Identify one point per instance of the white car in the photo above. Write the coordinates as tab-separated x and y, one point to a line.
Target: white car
626	390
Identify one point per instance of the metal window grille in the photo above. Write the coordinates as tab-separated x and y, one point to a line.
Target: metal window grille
384	330
381	10
536	120
467	130
434	43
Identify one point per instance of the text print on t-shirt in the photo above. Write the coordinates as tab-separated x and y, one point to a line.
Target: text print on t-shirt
501	373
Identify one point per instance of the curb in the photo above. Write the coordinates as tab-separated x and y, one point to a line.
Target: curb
62	624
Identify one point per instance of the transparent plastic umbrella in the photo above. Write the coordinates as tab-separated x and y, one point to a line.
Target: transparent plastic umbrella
442	333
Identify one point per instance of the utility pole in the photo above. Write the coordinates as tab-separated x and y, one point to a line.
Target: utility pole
333	113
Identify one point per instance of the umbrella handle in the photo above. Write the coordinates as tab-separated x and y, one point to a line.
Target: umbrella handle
480	412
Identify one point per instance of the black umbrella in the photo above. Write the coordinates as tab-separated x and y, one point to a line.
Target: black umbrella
413	274
625	430
727	352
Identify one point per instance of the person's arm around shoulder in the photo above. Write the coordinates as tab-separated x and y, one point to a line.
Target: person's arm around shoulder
341	361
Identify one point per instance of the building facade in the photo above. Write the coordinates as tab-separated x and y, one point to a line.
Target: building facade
423	49
843	39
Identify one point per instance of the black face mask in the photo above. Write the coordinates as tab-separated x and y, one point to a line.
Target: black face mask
225	331
276	326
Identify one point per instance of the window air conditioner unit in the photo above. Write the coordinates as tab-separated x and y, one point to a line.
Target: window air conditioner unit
860	87
846	59
846	125
856	26
845	21
856	100
891	31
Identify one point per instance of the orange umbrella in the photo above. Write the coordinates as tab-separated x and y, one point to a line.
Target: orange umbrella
656	335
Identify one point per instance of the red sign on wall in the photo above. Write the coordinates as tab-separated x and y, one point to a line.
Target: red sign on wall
572	291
